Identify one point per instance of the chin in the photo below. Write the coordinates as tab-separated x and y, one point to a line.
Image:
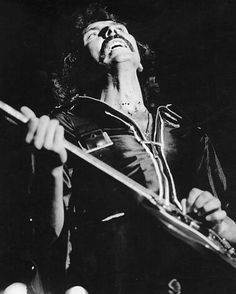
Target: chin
128	58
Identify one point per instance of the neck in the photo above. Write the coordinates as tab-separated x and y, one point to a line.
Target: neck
123	92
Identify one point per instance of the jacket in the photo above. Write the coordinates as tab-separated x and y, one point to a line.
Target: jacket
117	247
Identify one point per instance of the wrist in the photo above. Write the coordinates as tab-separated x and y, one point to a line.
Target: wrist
227	230
47	160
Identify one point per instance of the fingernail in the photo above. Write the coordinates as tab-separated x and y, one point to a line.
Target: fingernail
37	145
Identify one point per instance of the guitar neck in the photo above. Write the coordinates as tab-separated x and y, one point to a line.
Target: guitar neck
179	224
17	117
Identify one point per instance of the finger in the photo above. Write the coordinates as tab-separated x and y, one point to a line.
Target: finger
202	199
50	133
216	217
193	194
32	124
28	112
41	131
59	137
184	205
212	205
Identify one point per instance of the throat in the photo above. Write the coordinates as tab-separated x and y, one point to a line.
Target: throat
131	107
123	92
144	120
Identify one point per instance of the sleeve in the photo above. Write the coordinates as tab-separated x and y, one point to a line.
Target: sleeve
44	234
210	175
50	251
68	125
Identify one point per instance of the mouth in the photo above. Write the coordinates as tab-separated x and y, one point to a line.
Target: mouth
114	44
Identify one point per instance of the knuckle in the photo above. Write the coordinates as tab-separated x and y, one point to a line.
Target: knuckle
195	190
208	194
192	195
47	146
217	202
205	195
54	122
60	128
44	119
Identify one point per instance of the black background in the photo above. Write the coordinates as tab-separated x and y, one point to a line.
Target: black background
195	42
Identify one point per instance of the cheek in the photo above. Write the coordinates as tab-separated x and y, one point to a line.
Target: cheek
94	50
134	43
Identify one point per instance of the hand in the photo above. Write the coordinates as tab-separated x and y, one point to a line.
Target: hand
205	206
46	134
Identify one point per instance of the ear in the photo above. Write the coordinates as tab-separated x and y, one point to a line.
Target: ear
140	68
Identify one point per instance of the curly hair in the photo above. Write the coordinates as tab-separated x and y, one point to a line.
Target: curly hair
79	72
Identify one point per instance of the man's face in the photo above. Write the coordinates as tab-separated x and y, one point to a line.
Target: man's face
109	42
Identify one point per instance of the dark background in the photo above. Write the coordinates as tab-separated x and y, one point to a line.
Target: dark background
195	42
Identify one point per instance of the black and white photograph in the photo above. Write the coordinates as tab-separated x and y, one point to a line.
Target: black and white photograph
118	133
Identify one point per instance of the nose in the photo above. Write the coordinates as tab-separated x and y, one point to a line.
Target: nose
111	31
108	31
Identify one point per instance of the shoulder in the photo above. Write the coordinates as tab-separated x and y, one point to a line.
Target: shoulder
172	118
81	106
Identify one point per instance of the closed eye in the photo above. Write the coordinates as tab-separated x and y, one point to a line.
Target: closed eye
121	28
91	35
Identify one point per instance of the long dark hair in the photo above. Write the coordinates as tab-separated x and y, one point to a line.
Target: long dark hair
80	75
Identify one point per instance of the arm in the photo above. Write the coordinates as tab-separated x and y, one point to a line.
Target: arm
201	203
47	137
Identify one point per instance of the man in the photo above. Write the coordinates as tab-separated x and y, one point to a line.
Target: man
117	245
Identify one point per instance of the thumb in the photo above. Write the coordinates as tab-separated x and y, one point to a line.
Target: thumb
28	112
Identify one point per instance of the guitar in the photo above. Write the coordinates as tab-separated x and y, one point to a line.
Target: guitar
179	224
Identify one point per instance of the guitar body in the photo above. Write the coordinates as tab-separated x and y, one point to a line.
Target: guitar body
196	261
